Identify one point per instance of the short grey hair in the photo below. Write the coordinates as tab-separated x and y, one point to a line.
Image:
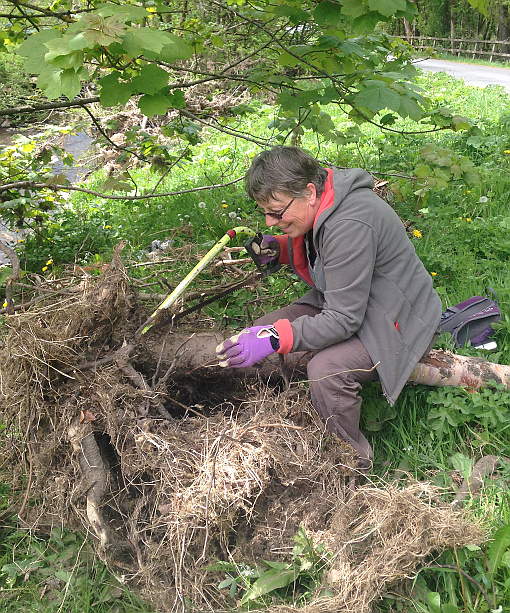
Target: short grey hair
283	169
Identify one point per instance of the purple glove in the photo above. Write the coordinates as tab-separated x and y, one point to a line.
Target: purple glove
263	249
248	347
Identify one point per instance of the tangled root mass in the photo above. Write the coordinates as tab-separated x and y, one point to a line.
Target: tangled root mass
170	470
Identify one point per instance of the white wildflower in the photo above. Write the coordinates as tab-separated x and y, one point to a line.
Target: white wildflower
483	199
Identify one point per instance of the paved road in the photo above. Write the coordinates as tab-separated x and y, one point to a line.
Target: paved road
473	74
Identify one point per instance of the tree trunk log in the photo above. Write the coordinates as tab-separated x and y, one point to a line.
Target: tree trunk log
196	353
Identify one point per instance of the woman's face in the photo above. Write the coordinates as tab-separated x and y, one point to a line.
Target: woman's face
298	212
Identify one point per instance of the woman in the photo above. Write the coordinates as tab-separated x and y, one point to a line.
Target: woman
372	311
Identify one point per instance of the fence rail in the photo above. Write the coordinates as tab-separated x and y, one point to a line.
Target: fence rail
463	46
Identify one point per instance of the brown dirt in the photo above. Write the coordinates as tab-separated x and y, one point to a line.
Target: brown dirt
169	470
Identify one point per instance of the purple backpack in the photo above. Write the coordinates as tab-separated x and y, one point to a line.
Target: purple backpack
470	321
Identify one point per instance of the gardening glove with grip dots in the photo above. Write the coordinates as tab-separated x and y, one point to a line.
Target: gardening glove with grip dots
264	250
248	347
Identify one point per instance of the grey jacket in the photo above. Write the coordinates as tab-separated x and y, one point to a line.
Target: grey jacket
368	281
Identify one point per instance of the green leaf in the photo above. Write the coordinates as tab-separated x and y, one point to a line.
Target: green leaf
375	95
269	581
139	40
497	548
49	82
175	49
34	49
157	104
70	83
327	14
125	11
99	30
150	80
387	7
366	23
434	602
409	108
295	14
112	91
353	8
480	5
462	463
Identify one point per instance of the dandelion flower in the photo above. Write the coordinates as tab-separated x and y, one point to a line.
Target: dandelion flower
506	151
434	274
44	268
107	227
232	214
201	205
468	219
224	205
417	233
49	262
483	199
4	305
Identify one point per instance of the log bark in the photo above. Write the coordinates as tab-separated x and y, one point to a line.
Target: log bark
195	352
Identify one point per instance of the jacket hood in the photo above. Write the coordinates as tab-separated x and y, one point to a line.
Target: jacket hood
338	185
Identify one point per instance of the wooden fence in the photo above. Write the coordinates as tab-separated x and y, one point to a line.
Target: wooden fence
486	49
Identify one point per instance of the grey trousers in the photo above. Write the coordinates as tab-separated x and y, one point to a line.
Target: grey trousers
335	375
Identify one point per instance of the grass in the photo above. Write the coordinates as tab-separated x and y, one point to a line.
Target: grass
464	241
471	60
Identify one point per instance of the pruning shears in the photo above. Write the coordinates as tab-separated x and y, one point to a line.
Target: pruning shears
208	257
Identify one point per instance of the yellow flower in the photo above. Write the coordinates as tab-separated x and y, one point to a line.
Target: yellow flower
44	268
417	233
49	262
434	274
4	305
468	219
107	227
150	9
21	240
506	151
224	206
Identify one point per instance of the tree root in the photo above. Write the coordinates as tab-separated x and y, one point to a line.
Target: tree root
95	475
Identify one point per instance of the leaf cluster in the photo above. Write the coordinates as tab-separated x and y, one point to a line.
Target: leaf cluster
270	581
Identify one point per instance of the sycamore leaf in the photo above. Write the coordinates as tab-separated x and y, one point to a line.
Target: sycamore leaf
328	14
70	83
176	99
101	31
353	8
295	14
34	49
126	11
139	41
375	95
49	82
387	7
112	91
175	49
150	80
157	104
409	108
366	23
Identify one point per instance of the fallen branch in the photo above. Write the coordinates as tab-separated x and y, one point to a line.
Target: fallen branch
472	486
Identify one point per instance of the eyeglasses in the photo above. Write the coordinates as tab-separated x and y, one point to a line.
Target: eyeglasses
274	214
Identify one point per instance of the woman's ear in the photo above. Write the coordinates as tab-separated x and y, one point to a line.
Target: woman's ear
313	201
